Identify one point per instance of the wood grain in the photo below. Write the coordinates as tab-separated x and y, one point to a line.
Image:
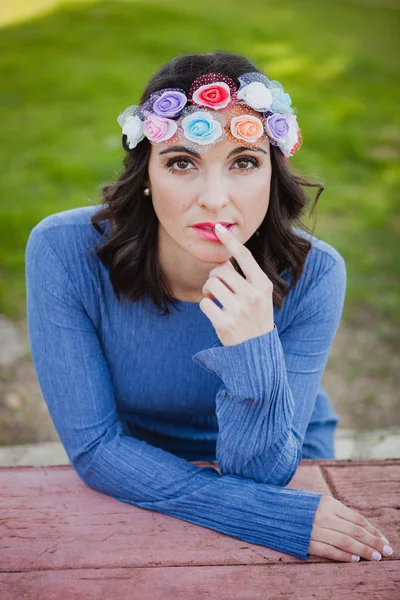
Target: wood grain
61	539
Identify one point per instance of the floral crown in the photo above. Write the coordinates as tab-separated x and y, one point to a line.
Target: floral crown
216	109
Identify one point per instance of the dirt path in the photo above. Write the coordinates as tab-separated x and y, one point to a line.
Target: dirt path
362	379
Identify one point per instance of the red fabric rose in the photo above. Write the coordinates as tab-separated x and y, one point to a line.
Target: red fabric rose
213	95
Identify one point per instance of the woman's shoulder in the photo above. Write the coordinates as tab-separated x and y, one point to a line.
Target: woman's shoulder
321	251
66	229
61	261
321	286
324	270
68	235
79	217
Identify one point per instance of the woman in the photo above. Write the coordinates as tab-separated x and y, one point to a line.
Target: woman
137	314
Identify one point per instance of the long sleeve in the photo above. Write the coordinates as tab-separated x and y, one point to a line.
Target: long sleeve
270	384
75	380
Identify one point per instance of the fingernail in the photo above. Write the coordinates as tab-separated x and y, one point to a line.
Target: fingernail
220	228
355	558
385	541
376	555
387	550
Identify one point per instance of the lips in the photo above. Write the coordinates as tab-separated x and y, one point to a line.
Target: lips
211	226
209	234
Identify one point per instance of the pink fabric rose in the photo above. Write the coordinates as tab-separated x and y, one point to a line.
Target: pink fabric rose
159	129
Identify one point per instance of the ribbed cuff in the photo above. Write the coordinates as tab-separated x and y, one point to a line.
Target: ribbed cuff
263	514
277	465
247	369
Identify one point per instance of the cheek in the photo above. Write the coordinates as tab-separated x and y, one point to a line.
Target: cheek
254	198
165	194
168	207
168	188
255	186
264	183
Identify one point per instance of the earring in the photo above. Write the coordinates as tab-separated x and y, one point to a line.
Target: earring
146	192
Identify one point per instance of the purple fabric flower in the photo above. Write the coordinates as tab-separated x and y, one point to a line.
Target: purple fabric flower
277	126
170	103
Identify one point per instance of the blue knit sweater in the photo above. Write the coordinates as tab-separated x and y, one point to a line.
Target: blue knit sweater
135	395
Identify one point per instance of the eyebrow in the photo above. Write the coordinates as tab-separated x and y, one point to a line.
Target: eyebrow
197	155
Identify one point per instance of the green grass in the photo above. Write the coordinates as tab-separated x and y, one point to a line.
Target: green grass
66	76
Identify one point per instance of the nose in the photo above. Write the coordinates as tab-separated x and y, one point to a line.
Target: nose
214	195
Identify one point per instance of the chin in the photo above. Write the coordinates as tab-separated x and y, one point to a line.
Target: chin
212	256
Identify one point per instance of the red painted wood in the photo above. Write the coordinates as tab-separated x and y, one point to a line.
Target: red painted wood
366	486
52	521
60	537
336	581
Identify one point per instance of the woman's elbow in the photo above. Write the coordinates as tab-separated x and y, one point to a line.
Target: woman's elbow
269	468
285	467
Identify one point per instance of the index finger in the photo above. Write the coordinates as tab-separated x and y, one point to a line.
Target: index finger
245	259
348	514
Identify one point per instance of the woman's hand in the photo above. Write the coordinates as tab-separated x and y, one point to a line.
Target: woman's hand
340	533
247	303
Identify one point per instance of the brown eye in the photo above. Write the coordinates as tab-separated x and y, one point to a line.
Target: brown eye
246	160
182	163
242	161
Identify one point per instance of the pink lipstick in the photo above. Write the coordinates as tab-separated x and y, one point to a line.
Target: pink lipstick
209	234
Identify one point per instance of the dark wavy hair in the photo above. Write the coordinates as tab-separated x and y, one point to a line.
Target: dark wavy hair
130	252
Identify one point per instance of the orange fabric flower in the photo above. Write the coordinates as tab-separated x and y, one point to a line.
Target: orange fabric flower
247	127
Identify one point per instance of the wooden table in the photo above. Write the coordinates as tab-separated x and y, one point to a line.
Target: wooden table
62	540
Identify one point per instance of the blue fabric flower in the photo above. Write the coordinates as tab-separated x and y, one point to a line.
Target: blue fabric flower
201	128
281	101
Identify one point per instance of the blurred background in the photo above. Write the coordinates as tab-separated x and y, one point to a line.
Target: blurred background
67	69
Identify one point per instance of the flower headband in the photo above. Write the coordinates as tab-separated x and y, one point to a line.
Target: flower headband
214	110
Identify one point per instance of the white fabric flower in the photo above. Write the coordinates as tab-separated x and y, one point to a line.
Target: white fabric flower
292	136
133	129
256	95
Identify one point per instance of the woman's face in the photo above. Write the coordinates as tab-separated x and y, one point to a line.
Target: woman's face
225	183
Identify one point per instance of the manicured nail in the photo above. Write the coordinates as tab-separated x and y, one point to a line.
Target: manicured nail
220	228
355	558
376	555
387	550
385	541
